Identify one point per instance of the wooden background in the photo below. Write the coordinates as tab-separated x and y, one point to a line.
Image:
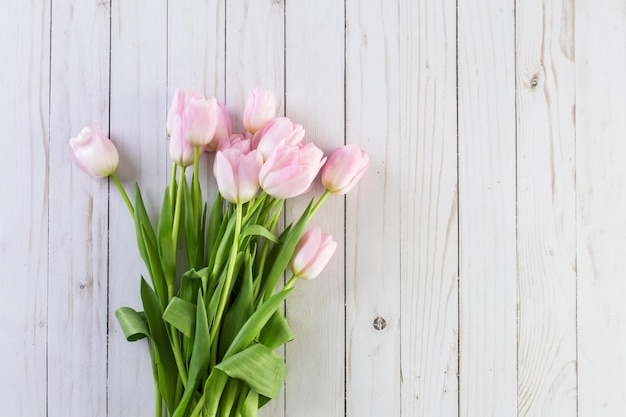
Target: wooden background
489	233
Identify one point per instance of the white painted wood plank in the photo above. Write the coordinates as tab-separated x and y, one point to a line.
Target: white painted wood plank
601	204
77	294
428	202
24	75
546	221
255	57
138	115
372	229
314	73
487	286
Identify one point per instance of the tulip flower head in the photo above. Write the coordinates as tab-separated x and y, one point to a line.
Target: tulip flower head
236	140
181	151
313	251
345	167
259	109
237	174
290	170
276	133
223	129
93	152
197	117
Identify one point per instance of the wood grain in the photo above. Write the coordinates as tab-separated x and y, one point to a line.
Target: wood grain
138	115
373	249
78	281
24	164
428	202
546	221
487	212
601	203
314	74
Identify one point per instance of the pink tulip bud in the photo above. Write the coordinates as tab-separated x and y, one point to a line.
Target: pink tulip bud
312	254
198	116
223	128
290	170
259	109
93	152
345	167
181	151
276	133
237	174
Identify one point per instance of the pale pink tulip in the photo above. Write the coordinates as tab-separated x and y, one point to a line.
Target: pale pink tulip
223	128
181	151
237	174
93	152
290	170
276	133
313	251
259	109
236	140
198	117
345	167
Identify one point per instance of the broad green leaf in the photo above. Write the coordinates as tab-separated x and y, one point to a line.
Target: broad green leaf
276	332
240	310
215	221
166	246
164	357
255	323
200	358
229	396
263	400
133	323
213	388
225	243
285	252
259	367
214	301
258	230
181	314
251	405
158	281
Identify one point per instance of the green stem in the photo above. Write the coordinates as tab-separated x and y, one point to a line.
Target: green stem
180	363
198	407
255	205
225	290
291	282
319	203
178	208
122	191
159	402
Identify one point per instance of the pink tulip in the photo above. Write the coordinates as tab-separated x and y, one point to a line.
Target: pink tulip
345	167
312	254
237	174
276	133
198	117
259	109
181	151
290	170
223	128
93	152
236	140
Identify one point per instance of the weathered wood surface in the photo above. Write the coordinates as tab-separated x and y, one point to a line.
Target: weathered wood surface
480	269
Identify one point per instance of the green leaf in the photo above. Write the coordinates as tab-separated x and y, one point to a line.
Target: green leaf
213	388
276	332
251	405
191	282
166	246
158	280
255	323
164	357
215	221
259	367
285	252
133	324
240	311
231	392
200	358
181	314
258	230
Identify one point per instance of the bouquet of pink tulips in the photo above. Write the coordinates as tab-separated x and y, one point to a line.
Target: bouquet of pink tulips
212	330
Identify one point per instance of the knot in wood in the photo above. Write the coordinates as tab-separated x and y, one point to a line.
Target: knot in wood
379	323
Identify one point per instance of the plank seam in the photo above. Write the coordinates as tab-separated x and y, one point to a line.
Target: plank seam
48	207
108	243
